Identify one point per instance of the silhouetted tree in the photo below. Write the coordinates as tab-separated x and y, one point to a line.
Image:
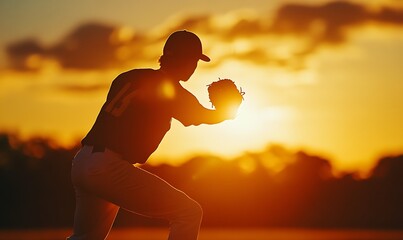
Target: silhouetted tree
36	190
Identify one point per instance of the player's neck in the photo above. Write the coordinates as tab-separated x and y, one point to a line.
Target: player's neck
169	74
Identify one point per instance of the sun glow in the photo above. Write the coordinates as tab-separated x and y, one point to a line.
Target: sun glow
252	128
327	89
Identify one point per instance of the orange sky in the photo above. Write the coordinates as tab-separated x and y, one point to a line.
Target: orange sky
324	77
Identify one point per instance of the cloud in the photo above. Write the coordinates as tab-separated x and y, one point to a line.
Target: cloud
21	52
309	27
80	88
200	23
89	46
327	23
329	19
285	40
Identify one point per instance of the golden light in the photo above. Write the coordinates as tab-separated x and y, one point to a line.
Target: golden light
247	121
228	20
121	35
305	106
167	90
242	46
259	120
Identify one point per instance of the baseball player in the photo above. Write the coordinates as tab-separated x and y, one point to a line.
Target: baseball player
131	124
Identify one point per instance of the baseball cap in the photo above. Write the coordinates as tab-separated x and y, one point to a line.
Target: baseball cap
184	43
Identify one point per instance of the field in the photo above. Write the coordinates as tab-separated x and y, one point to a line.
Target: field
216	234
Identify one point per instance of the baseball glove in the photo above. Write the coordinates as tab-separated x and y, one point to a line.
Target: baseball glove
224	95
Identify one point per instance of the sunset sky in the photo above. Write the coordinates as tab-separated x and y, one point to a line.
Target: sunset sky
325	76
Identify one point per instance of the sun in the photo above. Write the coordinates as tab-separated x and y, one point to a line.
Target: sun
246	121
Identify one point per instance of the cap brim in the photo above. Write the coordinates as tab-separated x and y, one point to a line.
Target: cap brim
204	58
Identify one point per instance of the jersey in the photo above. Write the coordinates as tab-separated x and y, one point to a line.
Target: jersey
138	112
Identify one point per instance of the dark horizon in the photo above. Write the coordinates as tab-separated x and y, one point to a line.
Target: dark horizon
37	192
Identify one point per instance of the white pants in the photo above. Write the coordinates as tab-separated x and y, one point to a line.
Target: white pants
104	183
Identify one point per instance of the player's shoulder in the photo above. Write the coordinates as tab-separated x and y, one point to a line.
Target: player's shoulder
136	76
139	72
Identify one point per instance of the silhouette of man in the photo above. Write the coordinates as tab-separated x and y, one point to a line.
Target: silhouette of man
131	124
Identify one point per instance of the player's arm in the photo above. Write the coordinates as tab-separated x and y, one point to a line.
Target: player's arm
188	110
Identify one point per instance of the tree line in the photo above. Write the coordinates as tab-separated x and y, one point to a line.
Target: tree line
36	191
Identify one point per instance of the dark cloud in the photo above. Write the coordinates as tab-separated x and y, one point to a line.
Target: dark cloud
90	46
328	23
390	16
100	46
318	25
20	52
331	18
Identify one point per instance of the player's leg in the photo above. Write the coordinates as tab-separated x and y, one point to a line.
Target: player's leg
93	217
141	192
149	195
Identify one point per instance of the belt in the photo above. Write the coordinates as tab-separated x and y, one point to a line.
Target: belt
98	148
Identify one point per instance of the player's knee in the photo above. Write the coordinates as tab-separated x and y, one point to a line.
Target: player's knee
198	211
194	210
